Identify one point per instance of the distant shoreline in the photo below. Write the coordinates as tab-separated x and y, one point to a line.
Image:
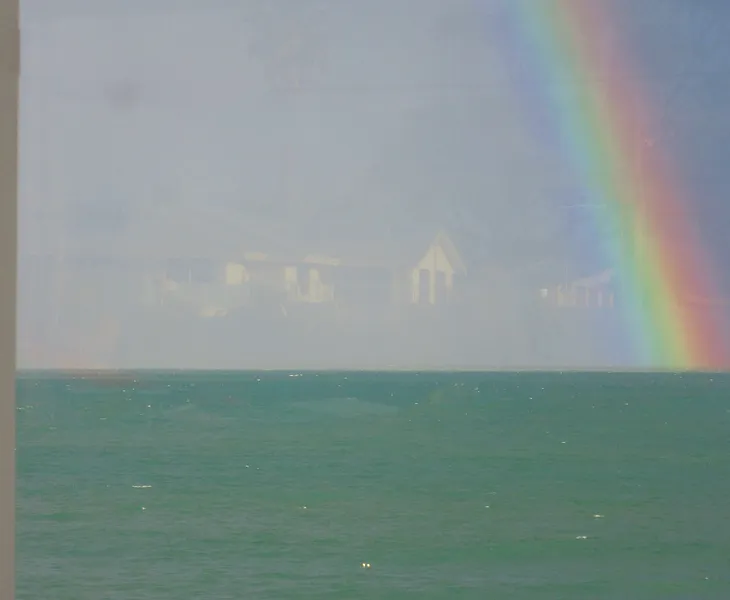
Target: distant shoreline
113	373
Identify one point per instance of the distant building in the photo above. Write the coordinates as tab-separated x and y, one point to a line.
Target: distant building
595	292
348	273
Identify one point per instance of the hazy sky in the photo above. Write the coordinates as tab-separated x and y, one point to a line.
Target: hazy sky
385	111
343	117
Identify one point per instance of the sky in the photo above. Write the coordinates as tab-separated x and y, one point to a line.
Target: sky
154	125
683	52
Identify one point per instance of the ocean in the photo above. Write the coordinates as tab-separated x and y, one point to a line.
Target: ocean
273	485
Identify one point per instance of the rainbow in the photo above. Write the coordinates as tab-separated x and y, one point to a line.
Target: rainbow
586	97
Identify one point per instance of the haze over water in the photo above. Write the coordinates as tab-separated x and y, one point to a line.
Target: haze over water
157	131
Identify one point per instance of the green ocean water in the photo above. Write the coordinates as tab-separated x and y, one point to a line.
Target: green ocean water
450	486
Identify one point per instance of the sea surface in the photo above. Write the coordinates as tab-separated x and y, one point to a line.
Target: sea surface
371	485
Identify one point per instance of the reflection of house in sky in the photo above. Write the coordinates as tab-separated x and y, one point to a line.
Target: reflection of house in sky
347	273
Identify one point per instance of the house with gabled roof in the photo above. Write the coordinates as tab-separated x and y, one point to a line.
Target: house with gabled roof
379	270
434	277
367	270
